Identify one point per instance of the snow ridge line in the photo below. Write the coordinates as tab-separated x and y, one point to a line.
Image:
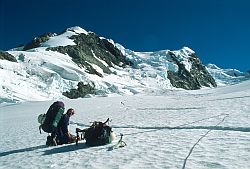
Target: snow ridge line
191	150
220	128
222	114
181	108
230	98
182	126
161	108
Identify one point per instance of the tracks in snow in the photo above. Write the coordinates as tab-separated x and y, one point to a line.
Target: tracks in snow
221	128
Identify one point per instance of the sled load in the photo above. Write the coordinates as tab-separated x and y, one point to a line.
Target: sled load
97	134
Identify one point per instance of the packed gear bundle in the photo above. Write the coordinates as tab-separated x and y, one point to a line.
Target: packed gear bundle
50	120
97	134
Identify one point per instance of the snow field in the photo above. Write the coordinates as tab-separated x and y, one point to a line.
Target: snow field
160	131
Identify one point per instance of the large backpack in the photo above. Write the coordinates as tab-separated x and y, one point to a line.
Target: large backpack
98	134
50	120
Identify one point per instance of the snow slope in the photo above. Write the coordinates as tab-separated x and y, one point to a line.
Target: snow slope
227	76
41	75
180	129
44	75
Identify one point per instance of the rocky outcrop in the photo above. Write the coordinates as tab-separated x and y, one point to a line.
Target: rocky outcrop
81	91
36	42
191	79
90	50
7	56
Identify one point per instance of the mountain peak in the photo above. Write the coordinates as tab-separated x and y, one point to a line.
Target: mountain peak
77	30
187	49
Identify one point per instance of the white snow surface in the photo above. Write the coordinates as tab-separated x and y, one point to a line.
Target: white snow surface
60	40
177	129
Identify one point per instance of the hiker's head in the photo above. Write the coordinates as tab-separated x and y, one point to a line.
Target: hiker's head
70	112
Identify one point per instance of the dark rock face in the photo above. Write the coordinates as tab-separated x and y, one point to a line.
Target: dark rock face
90	49
36	42
194	79
81	91
7	56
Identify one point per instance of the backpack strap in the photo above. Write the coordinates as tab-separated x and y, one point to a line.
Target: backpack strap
40	129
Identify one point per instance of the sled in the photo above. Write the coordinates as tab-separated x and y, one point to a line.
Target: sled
99	133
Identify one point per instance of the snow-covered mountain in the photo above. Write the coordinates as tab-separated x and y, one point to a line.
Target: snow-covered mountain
76	62
227	76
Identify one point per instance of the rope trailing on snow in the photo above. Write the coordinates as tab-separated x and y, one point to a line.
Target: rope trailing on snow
191	150
211	117
152	129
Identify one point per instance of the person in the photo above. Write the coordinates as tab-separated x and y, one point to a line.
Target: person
60	134
63	135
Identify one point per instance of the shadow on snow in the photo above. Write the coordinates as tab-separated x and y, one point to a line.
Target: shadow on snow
65	148
22	150
49	151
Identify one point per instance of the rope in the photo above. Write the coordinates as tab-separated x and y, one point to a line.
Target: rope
167	127
222	114
179	127
191	150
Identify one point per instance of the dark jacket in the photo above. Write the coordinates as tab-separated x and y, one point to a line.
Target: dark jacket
62	129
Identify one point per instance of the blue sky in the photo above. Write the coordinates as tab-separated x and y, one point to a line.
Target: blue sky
217	30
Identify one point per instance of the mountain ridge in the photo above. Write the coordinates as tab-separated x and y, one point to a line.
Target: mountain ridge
52	64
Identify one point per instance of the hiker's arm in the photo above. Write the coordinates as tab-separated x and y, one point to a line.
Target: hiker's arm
71	138
68	136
